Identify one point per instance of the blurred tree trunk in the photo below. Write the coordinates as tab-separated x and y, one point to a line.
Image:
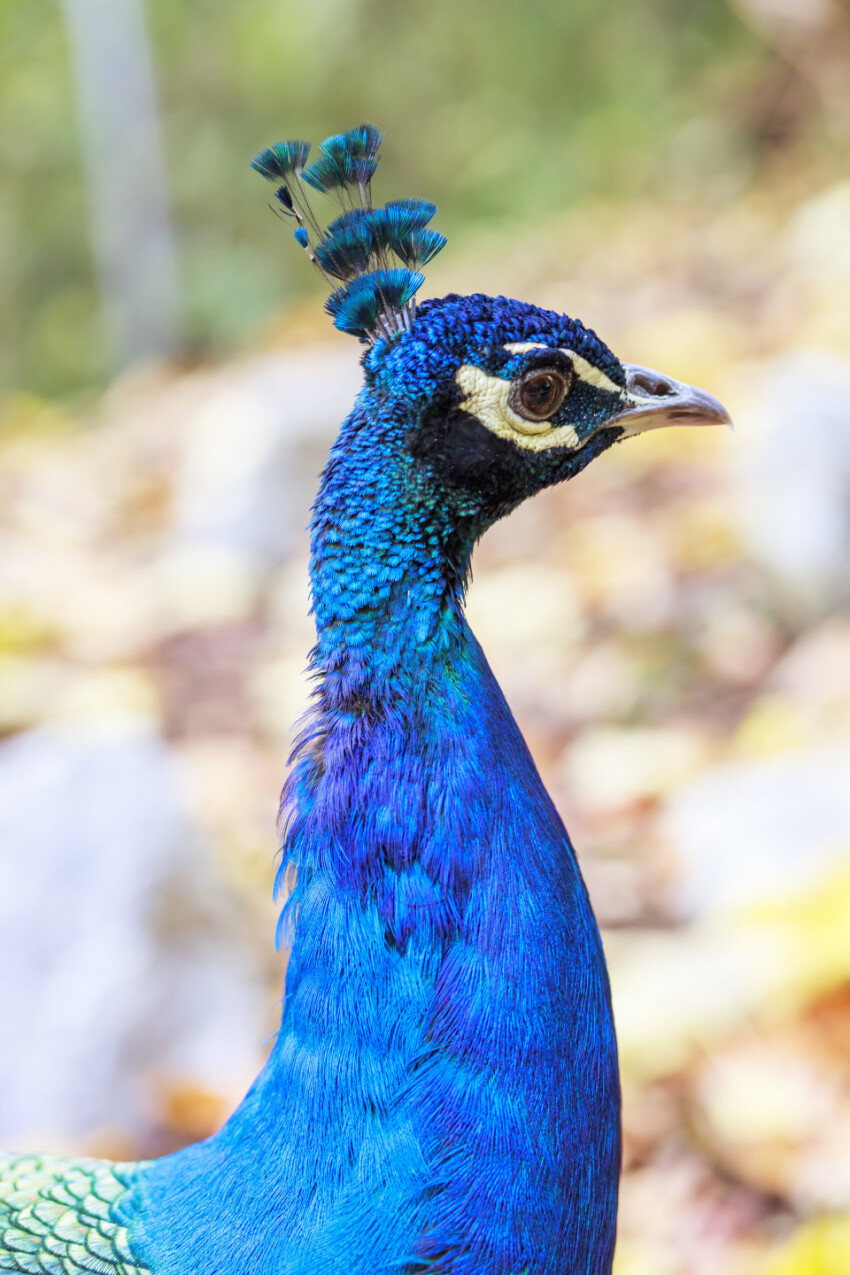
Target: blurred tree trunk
130	230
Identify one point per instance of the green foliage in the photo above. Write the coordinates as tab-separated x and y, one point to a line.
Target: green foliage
498	111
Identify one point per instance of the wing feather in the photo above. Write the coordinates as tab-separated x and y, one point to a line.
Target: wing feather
60	1216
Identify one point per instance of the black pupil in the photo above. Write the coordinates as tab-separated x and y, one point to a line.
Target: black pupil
540	392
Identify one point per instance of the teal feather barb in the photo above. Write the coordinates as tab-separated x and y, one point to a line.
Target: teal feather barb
59	1216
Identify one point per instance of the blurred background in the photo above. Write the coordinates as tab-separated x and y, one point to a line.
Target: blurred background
670	630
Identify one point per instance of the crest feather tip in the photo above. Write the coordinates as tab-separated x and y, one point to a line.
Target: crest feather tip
371	256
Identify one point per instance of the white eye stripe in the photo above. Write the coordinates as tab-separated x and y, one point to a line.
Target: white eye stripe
486	397
584	371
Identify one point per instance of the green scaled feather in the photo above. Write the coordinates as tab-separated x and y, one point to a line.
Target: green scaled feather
59	1217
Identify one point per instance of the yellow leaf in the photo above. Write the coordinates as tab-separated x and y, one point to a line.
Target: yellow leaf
820	1248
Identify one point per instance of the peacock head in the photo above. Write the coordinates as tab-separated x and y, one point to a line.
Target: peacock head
492	399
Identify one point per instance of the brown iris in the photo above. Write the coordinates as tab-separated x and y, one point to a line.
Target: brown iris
539	393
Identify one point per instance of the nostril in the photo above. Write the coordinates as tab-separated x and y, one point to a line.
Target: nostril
651	384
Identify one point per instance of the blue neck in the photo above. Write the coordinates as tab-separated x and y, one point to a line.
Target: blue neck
389	564
443	1090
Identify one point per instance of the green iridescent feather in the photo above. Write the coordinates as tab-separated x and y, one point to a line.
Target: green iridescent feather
59	1216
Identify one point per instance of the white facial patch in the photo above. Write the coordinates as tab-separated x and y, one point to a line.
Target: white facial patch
487	398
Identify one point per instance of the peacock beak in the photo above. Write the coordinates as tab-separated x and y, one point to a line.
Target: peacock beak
652	401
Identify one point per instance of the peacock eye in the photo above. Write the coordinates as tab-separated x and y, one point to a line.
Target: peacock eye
539	393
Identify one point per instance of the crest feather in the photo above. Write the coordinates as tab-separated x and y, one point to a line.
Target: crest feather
374	253
372	300
277	162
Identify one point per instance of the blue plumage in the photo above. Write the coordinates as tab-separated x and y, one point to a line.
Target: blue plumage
443	1093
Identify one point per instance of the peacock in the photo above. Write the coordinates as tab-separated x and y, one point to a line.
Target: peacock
443	1093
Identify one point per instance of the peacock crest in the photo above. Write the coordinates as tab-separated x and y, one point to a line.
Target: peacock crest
371	257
